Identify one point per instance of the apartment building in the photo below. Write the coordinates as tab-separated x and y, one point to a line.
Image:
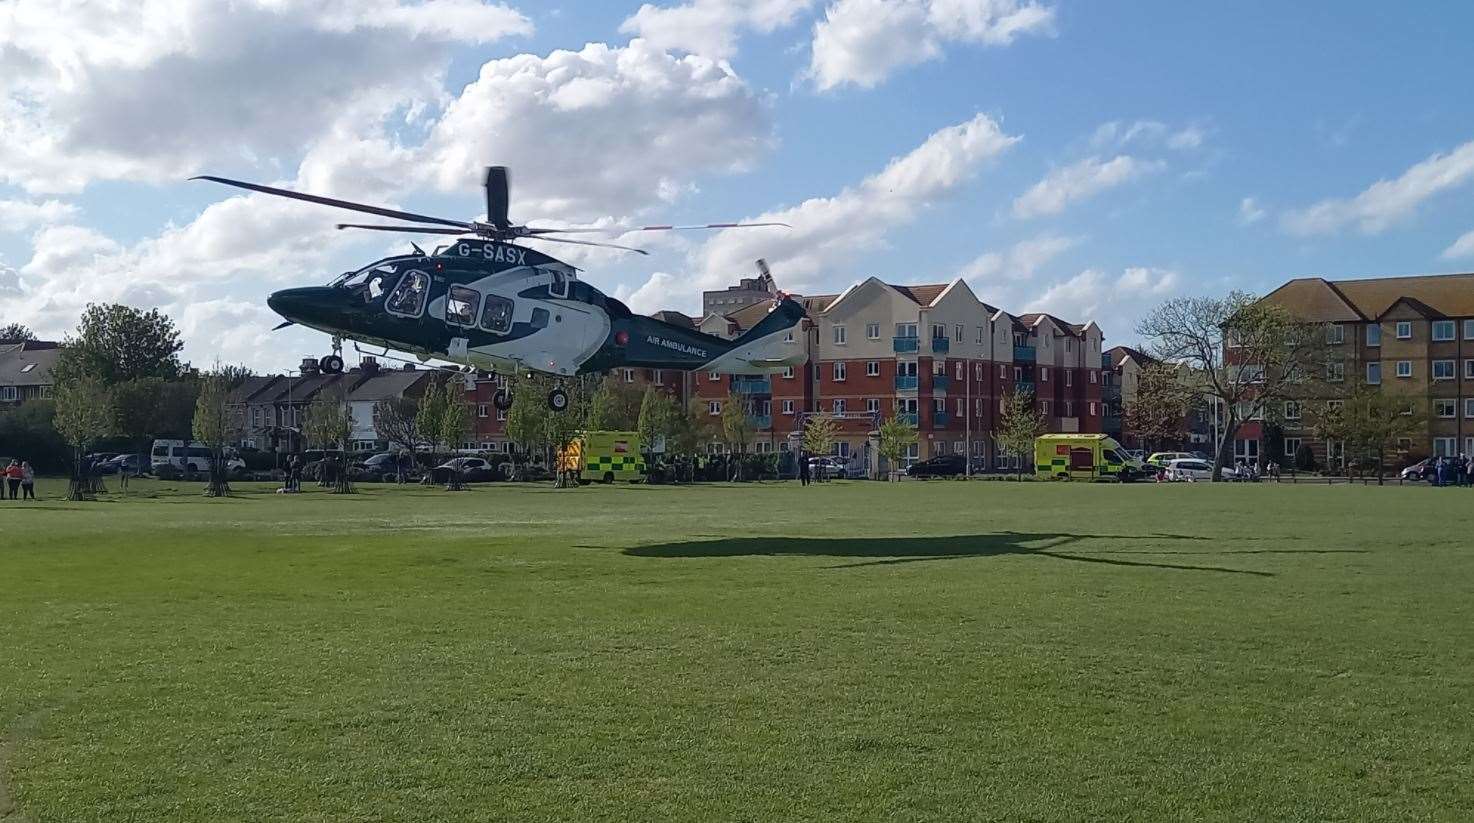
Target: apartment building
1414	335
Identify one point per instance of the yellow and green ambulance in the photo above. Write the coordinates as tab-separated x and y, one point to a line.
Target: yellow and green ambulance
603	456
1084	457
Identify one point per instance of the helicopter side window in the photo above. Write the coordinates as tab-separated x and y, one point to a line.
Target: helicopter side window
496	315
559	286
460	306
539	318
408	298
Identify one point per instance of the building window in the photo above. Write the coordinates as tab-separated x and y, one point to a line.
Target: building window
905	329
1374	373
839	406
1092	409
1335	372
938	331
1374	335
840	337
1443	330
1404	330
1003	372
961	370
872	368
629	375
713	376
659	378
788	407
1335	333
1092	377
872	405
1469	329
1292	410
872	331
957	332
1445	408
839	369
1044	374
713	407
1444	446
1069	408
938	405
787	372
1443	369
1292	446
1469	369
501	415
1069	378
788	338
1469	409
1404	368
982	335
482	410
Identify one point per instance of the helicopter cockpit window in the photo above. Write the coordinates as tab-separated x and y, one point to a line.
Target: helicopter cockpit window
539	318
559	286
496	315
371	281
460	306
408	298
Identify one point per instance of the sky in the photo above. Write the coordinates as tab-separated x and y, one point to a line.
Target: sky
1086	158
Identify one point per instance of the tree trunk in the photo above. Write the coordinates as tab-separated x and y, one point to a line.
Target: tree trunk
1225	449
77	488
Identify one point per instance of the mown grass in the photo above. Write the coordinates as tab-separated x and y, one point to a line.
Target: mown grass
943	651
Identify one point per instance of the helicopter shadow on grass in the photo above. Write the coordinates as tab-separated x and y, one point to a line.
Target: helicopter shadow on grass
886	551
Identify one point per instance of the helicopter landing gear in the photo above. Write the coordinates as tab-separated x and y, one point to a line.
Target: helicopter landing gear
558	400
331	364
502	399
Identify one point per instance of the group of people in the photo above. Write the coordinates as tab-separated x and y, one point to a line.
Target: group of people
1453	471
20	481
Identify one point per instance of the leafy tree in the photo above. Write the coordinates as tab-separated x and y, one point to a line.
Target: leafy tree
329	423
1019	426
31	426
455	422
1248	355
15	332
737	430
138	410
658	420
83	415
559	428
116	343
1158	413
1368	422
896	437
819	434
216	423
690	428
615	406
429	418
527	418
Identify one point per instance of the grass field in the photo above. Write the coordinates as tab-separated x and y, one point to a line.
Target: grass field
945	651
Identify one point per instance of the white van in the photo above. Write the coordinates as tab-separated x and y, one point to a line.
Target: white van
194	456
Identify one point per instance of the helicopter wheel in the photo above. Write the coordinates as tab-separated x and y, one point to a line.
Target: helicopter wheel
502	399
558	400
331	364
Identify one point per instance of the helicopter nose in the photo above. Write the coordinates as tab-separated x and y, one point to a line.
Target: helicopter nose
310	306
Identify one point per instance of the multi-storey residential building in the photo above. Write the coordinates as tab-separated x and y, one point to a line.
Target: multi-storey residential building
748	291
1414	335
1120	377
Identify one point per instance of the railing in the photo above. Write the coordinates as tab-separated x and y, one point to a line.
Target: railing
940	419
907	417
760	421
906	383
1025	353
752	385
905	345
940	382
941	345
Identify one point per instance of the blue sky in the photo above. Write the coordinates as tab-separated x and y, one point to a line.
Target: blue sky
1086	158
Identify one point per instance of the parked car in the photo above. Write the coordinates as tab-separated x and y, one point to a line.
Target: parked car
945	465
1421	470
384	467
1193	469
470	469
1161	459
831	466
135	465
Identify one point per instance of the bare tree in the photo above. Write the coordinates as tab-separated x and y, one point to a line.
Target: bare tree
1244	355
396	420
737	432
83	414
1158	413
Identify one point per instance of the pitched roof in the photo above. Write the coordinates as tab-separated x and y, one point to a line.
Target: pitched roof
817	302
1315	298
386	384
749	316
1032	319
252	386
922	295
675	318
28	366
1120	354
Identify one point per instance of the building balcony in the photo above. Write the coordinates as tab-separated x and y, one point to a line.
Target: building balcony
909	418
905	345
941	345
752	385
940	382
761	422
940	419
1024	354
1023	386
907	383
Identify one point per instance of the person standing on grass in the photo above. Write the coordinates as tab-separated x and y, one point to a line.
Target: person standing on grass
27	481
803	468
12	479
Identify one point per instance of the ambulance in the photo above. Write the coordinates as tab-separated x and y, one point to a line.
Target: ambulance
1084	457
603	456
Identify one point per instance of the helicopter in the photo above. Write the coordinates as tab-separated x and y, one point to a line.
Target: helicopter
483	302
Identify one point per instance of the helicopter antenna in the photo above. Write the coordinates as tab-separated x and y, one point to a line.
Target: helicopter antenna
498	226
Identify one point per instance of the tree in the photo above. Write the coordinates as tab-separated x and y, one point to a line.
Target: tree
15	332
82	416
658	413
1158	413
137	410
690	427
527	419
1245	356
32	426
819	433
455	422
396	421
559	428
329	424
216	424
1368	423
1019	425
737	431
896	438
615	406
428	419
116	343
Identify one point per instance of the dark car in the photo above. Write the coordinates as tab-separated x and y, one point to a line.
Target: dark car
946	465
471	470
135	465
384	468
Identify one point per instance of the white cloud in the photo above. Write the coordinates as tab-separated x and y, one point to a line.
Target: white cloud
1386	202
1111	301
1118	134
861	42
19	215
1078	181
156	89
1020	262
710	27
1462	248
1250	212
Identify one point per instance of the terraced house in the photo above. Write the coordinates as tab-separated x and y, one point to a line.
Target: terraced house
1410	334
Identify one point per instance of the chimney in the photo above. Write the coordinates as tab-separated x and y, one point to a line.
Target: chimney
409	367
369	365
309	366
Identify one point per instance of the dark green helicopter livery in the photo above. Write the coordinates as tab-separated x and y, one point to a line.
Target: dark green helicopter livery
486	303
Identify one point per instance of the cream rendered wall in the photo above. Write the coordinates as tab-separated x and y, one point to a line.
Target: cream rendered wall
870	302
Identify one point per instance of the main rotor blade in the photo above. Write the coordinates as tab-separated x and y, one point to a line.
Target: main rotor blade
498	185
588	243
329	201
615	230
405	229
